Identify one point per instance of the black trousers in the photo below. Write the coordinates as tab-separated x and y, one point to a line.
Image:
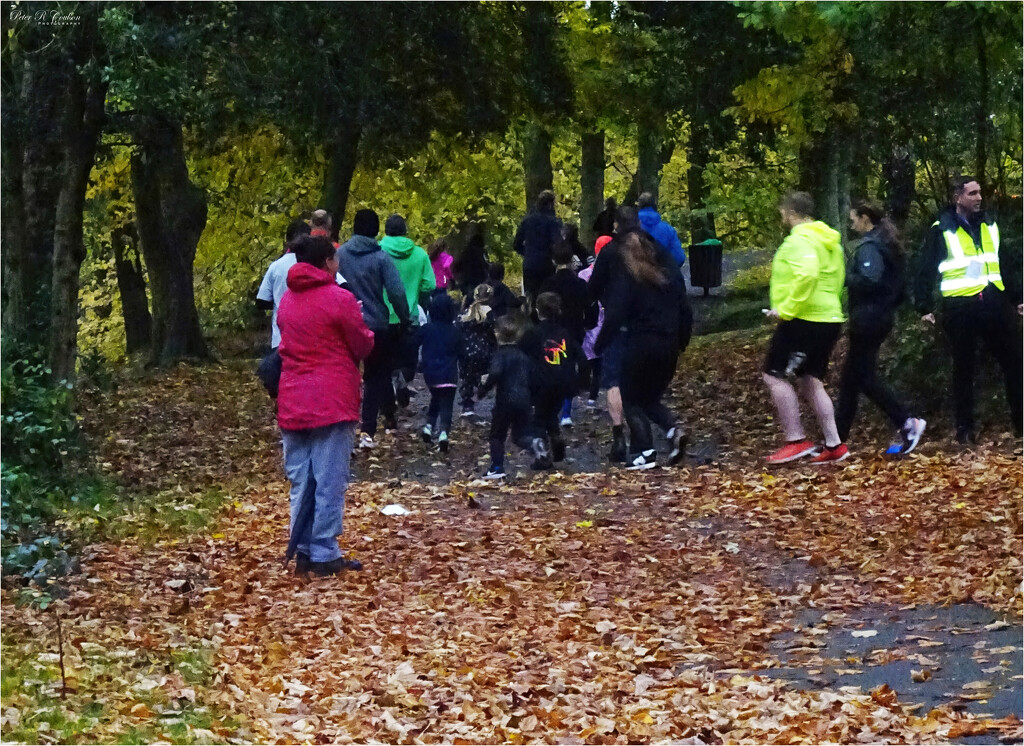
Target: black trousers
504	419
860	376
533	278
442	400
648	368
378	391
547	408
987	317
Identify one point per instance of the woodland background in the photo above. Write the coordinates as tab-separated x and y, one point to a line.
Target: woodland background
153	154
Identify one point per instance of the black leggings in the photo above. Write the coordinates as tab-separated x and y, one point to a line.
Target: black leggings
860	376
442	400
595	378
502	420
648	368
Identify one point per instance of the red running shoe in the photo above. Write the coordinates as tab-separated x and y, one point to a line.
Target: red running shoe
830	455
792	451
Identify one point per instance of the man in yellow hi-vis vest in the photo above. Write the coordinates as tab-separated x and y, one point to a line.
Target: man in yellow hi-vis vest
962	247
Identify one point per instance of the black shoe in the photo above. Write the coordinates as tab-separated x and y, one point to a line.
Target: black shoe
541	459
558	451
617	455
966	437
302	563
402	396
325	569
678	440
390	423
442	442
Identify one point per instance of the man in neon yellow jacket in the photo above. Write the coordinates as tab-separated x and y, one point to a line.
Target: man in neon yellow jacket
807	277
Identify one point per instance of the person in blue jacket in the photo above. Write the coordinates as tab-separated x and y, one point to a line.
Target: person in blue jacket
661	231
441	342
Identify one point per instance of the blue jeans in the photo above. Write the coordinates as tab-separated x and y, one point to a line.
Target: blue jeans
317	463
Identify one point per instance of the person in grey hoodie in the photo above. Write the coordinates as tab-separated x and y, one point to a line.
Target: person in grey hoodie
370	273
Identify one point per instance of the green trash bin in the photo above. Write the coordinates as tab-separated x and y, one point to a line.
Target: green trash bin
706	265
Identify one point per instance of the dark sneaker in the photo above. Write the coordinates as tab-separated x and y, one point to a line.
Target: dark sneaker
678	440
966	437
442	442
558	451
617	455
832	455
495	472
541	457
390	424
402	396
427	434
645	460
302	563
326	569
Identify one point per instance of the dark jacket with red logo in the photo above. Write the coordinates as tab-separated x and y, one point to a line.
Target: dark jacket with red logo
556	358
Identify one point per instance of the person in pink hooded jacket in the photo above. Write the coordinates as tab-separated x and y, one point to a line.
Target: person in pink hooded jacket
323	338
441	261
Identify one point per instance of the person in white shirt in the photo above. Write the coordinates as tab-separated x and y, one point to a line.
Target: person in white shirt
275	281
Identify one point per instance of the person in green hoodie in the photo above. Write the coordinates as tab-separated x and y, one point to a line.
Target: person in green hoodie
418	278
808	272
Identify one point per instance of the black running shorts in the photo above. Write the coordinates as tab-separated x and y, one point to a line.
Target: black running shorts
802	348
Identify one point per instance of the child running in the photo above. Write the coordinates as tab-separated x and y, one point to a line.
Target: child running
593	359
477	347
510	375
575	304
441	342
556	357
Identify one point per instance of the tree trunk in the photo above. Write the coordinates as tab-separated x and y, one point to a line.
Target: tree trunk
45	79
820	163
536	162
83	121
654	150
342	158
900	178
591	184
702	223
131	284
12	244
171	215
981	147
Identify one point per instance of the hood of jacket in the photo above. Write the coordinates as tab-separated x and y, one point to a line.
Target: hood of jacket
820	233
303	277
442	309
361	245
649	218
399	247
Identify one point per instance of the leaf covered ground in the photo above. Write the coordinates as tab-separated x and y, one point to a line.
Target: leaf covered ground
584	606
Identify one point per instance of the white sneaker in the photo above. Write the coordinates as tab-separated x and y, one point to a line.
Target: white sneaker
591	403
566	422
365	441
912	431
645	460
468	413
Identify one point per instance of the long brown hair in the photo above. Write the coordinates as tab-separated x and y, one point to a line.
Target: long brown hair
642	260
886	228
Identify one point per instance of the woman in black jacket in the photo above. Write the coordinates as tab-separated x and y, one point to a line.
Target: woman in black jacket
875	285
647	303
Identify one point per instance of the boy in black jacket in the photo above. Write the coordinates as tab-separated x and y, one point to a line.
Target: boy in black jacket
556	359
510	375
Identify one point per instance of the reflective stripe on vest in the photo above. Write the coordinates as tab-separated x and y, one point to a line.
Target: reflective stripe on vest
969	269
